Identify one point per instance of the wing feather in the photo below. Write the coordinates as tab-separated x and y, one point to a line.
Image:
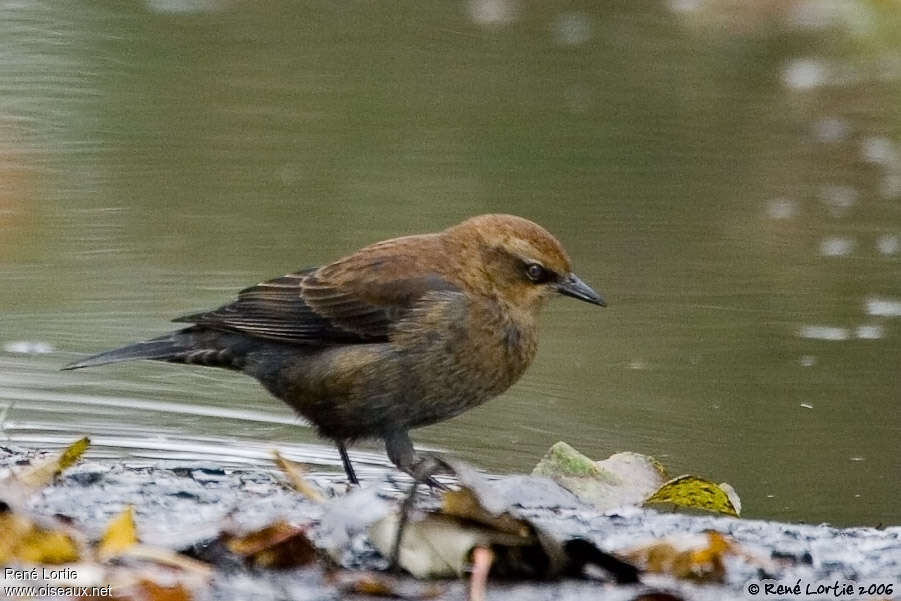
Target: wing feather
316	307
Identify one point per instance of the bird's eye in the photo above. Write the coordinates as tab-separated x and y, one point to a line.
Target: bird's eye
536	272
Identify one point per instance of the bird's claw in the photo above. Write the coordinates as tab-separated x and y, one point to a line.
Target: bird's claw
426	466
434	484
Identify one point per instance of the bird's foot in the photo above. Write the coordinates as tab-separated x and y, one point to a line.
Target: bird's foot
426	466
422	466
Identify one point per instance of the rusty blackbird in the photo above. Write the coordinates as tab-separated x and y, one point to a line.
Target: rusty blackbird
400	334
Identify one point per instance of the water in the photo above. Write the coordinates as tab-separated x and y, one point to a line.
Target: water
728	178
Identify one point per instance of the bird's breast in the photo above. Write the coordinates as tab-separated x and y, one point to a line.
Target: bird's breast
460	353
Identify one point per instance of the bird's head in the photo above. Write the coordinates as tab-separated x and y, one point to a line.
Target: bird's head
518	261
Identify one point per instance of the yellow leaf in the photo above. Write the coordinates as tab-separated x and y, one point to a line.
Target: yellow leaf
119	535
686	558
73	452
41	473
23	540
697	493
47	546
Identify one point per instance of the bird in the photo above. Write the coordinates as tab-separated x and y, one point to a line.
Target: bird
400	334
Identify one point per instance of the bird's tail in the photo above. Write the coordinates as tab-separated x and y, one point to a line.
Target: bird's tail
165	348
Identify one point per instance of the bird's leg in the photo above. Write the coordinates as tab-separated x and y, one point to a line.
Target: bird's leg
348	468
421	466
404	517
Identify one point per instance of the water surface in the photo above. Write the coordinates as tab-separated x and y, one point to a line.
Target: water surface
729	179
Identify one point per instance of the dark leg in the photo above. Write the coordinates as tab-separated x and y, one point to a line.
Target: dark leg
400	452
404	517
348	468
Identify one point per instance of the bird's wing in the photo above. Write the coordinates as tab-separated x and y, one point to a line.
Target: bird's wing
322	306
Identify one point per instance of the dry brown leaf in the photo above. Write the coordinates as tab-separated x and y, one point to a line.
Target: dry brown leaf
279	545
681	559
378	584
464	504
441	544
148	590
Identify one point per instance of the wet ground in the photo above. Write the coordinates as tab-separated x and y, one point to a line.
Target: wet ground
184	505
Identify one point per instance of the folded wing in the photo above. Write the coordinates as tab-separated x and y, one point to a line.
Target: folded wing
322	306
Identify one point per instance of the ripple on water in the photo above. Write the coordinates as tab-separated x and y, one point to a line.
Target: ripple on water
116	442
36	411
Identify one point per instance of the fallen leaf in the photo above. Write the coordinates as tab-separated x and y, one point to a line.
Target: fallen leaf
697	493
464	504
294	473
435	545
168	558
621	479
23	540
378	584
120	534
686	558
120	539
42	472
442	544
148	590
279	545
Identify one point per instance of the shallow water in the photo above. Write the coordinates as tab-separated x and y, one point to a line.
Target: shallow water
729	181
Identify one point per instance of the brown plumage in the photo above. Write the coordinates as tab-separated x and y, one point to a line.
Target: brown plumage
402	333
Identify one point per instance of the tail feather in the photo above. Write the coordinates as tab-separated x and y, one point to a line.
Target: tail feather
163	348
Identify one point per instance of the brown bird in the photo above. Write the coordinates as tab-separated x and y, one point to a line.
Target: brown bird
402	333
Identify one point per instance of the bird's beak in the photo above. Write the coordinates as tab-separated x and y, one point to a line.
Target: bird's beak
572	286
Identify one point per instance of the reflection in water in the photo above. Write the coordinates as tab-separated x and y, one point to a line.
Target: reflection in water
727	173
824	333
28	347
883	307
836	246
805	73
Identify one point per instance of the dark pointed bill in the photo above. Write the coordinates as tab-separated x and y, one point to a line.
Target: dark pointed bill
572	286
